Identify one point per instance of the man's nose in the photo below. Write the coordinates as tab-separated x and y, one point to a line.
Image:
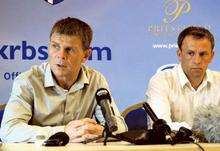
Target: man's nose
197	59
62	54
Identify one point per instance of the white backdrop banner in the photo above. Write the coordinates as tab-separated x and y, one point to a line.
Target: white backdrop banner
132	38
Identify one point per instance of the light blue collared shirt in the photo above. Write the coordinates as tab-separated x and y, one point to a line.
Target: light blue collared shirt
39	106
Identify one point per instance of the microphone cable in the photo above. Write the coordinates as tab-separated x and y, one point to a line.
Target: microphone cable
189	142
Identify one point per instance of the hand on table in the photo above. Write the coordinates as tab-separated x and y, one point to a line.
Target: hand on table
80	130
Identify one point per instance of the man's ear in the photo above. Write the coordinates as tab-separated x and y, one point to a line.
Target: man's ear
178	53
213	54
87	54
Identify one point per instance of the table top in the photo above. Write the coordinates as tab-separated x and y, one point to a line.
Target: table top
111	146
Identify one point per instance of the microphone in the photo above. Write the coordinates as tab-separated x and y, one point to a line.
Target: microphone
159	125
150	112
206	122
160	134
164	132
104	100
58	139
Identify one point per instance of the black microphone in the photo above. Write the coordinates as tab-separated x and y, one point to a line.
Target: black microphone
104	100
164	132
150	112
159	125
58	139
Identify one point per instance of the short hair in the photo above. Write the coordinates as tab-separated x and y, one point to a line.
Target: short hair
74	27
196	32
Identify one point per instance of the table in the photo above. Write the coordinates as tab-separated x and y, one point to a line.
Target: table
111	146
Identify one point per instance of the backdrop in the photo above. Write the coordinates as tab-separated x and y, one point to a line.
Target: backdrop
132	38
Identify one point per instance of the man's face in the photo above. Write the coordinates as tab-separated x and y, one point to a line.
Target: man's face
66	55
195	56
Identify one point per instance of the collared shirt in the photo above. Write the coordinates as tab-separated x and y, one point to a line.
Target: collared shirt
173	99
39	106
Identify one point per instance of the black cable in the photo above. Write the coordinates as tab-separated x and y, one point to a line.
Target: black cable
200	147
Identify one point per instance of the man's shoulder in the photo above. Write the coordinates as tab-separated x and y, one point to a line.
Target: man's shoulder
91	72
215	75
168	74
34	71
214	72
95	78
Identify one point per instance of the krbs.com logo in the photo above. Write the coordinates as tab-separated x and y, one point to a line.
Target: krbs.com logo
53	2
26	51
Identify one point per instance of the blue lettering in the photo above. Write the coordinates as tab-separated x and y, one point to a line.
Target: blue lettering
11	76
99	53
29	52
24	51
7	76
3	48
42	50
14	75
12	51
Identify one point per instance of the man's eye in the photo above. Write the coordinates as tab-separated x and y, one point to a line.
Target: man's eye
191	53
70	50
55	46
203	54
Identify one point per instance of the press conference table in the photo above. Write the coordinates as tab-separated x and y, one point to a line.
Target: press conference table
111	146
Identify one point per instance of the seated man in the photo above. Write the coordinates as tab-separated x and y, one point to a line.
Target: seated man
58	95
175	93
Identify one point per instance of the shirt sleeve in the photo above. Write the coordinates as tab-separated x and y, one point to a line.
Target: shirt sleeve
122	127
18	112
157	96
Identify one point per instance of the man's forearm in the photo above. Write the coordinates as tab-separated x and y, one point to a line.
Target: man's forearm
22	132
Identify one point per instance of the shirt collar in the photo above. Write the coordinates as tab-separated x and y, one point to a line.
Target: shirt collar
182	77
83	79
209	76
49	80
184	80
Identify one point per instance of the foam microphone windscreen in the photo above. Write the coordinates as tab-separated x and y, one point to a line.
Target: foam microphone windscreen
207	122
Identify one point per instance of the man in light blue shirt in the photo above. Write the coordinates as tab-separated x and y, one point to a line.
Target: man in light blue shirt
58	95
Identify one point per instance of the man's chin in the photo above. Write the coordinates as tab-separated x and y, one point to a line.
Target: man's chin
197	74
60	74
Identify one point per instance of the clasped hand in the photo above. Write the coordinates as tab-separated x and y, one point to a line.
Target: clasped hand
81	130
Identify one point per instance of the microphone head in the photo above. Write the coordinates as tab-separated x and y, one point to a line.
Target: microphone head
58	139
102	94
206	122
104	100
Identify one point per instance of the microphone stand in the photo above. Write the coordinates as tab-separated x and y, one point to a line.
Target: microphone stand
106	134
162	129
